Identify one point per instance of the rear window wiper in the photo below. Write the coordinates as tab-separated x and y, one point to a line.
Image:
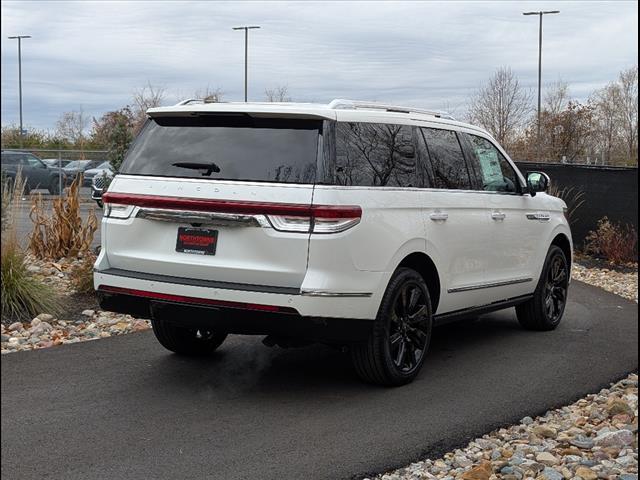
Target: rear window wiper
208	168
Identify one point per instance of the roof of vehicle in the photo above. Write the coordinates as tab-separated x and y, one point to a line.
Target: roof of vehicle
364	111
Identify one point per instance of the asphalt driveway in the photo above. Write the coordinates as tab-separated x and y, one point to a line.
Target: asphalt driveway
123	407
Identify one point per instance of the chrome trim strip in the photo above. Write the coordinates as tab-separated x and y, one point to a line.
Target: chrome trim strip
540	216
326	293
489	285
206	218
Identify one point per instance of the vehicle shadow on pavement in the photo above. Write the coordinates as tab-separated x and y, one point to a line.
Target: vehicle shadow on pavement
243	364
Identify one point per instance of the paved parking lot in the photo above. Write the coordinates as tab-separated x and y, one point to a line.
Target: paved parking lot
124	407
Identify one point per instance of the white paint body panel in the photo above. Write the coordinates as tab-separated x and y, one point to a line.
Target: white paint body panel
469	249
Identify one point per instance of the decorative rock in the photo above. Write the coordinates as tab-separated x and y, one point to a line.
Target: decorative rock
586	473
88	313
583	442
479	472
618	406
551	474
547	458
545	431
15	326
35	322
526	421
618	438
45	317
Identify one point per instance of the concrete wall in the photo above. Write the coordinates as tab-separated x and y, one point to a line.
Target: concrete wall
608	191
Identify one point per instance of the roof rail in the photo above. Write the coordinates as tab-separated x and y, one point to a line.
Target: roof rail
188	101
341	103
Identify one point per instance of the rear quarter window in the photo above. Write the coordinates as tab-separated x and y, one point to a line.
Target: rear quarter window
374	154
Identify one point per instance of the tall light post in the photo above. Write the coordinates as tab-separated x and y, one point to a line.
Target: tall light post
540	14
246	49
19	38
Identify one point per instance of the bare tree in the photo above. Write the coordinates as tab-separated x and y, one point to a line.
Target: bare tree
277	94
606	135
72	125
628	111
501	106
145	98
556	97
209	94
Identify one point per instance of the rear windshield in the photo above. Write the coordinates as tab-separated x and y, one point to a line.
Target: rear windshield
220	147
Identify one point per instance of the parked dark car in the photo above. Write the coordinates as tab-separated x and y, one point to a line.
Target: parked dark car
54	162
77	167
33	170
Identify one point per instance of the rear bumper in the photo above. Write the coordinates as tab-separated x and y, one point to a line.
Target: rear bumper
240	321
236	310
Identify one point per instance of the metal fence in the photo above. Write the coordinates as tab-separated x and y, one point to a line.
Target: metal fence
62	157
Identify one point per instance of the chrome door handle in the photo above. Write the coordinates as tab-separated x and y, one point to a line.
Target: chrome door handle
439	216
498	215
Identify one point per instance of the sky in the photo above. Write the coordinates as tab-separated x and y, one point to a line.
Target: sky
92	55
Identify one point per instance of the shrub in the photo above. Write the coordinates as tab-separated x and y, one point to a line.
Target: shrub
615	242
63	233
23	296
82	275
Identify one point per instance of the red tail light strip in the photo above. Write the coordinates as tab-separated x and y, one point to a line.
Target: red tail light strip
195	300
233	206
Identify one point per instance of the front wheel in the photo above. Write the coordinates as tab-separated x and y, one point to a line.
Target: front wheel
544	311
186	341
397	346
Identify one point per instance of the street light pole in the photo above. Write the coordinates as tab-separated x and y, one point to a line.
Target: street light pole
540	14
246	53
19	38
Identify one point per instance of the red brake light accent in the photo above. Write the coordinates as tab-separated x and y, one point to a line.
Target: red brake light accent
233	206
195	300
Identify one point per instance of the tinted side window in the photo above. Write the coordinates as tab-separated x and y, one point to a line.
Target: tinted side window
449	169
372	154
496	174
10	159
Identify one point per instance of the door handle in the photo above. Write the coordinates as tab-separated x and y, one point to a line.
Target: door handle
498	215
439	216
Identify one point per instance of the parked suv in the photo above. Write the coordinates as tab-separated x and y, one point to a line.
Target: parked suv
35	173
350	223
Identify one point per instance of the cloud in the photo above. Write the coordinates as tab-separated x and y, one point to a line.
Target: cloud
94	54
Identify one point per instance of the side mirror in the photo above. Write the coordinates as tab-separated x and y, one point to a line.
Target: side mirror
537	182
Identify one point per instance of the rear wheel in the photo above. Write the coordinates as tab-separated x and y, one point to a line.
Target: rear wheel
186	341
544	311
397	346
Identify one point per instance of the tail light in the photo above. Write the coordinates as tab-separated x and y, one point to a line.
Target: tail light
319	219
283	217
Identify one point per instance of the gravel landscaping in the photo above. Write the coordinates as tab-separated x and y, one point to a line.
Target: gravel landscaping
81	320
594	438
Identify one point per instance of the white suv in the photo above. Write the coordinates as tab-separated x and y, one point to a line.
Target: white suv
350	223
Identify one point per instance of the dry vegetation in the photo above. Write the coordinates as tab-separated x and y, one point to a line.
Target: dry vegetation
614	242
23	296
63	233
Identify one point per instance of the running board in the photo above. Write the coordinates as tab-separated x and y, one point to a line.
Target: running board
466	313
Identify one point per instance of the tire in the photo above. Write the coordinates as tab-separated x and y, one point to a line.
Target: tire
54	187
186	341
398	344
544	311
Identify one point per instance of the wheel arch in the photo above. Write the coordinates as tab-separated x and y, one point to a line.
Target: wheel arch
563	242
424	265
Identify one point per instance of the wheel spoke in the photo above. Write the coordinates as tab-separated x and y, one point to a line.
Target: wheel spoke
395	338
413	299
417	315
401	352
